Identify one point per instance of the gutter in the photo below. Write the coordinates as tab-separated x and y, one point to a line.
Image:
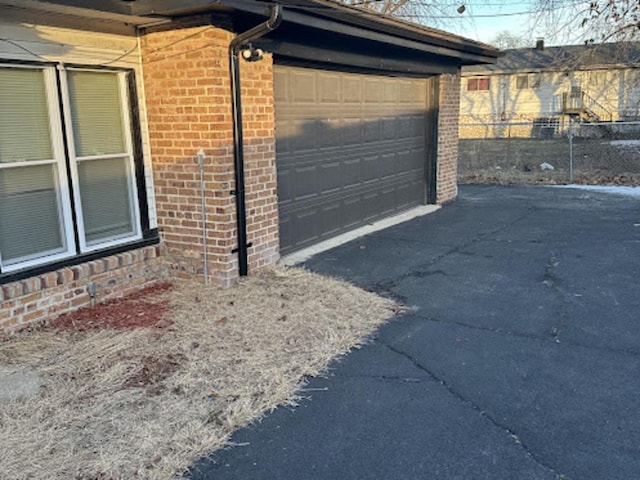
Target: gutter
242	42
331	17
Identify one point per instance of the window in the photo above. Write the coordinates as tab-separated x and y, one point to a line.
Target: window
527	81
67	176
478	84
522	82
576	91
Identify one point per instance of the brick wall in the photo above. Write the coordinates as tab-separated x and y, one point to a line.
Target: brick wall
43	297
448	137
187	88
186	85
48	295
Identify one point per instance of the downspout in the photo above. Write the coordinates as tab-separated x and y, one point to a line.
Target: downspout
237	44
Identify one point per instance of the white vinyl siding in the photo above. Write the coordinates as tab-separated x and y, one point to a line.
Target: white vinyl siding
36	219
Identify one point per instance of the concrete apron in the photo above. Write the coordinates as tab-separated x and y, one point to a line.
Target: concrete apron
306	253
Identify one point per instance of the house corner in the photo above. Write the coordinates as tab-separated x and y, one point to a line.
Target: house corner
187	85
448	119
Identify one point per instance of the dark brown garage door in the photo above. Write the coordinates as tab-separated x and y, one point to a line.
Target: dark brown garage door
350	148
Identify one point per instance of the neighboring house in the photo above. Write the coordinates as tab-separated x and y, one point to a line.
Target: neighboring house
117	128
548	85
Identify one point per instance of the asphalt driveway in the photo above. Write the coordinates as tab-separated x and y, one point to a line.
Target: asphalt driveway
518	359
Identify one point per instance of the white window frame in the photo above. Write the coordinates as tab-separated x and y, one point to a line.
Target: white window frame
74	160
60	180
477	81
59	124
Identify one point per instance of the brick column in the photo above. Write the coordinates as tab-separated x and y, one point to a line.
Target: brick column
187	86
448	137
258	115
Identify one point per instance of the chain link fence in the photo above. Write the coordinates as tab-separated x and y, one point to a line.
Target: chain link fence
550	150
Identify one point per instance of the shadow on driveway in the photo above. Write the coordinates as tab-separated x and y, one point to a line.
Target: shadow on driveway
519	357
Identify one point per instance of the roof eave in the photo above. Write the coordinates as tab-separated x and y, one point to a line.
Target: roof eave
487	70
325	15
109	10
404	29
335	17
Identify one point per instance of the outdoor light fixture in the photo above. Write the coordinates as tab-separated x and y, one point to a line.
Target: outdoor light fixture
252	54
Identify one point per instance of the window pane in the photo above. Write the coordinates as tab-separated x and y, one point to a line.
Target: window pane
522	82
484	83
24	121
472	84
30	222
106	199
96	113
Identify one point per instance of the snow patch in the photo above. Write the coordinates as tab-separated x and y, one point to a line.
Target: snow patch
615	189
546	166
625	143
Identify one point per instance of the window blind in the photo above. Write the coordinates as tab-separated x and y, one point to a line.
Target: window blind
106	202
30	224
104	183
24	121
96	113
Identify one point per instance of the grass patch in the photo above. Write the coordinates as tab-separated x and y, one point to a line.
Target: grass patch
144	398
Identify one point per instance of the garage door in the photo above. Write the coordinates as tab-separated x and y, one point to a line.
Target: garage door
351	149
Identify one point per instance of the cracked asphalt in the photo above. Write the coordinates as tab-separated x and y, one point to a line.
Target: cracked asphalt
519	356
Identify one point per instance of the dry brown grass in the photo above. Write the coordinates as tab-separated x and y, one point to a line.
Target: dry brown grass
145	403
556	177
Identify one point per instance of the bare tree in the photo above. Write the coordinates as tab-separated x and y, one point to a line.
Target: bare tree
386	7
505	40
566	21
435	13
614	20
457	14
592	20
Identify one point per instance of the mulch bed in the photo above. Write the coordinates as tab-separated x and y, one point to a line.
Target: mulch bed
145	308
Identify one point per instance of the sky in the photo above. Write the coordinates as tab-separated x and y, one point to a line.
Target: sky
483	20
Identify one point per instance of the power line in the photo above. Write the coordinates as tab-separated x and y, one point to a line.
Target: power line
488	15
436	6
21	47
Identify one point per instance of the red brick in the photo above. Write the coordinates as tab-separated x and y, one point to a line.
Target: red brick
59	291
